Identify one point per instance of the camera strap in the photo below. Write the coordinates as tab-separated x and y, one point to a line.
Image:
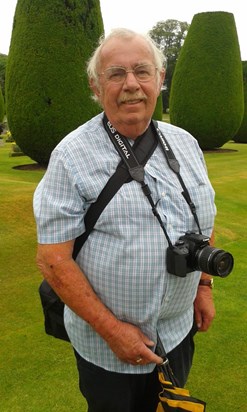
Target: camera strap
143	150
136	170
175	166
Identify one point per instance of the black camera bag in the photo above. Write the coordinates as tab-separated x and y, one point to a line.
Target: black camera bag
53	309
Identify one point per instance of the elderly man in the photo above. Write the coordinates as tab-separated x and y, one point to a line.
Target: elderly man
118	293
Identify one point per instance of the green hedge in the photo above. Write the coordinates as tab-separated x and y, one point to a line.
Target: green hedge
47	90
207	87
158	111
241	135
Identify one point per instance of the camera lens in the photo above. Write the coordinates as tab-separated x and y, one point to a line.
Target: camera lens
214	261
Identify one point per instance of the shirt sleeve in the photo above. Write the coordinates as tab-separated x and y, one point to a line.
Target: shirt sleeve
59	208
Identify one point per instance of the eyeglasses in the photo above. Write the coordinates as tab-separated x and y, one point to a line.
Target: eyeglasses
142	73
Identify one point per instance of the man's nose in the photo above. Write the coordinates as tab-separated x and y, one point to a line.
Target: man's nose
130	80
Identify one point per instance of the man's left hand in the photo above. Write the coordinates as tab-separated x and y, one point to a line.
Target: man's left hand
204	308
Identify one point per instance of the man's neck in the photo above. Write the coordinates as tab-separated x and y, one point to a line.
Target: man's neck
131	130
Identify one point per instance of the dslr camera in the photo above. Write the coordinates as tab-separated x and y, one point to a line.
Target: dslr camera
192	252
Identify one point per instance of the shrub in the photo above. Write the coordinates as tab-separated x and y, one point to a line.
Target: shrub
9	137
2	108
16	151
207	87
47	92
3	63
158	111
241	135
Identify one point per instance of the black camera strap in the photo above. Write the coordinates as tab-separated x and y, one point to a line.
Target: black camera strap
136	170
142	149
175	166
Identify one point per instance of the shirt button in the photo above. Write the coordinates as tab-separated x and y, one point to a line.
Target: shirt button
163	194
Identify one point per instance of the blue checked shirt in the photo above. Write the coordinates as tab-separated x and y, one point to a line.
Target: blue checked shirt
124	257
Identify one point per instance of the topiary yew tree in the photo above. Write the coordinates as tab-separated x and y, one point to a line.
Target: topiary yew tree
158	111
207	88
47	92
241	135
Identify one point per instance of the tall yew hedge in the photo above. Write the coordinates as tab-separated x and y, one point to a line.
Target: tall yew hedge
158	111
47	93
241	135
207	87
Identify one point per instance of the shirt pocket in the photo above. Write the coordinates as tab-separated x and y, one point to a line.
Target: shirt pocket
202	196
176	212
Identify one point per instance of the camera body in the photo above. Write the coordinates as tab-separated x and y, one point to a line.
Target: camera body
192	252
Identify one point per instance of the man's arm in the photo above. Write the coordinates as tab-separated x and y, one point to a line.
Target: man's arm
204	305
66	278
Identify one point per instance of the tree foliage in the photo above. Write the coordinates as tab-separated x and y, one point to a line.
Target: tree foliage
241	135
158	111
2	106
47	92
3	63
207	87
169	35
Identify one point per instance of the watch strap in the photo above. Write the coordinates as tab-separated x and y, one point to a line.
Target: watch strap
207	282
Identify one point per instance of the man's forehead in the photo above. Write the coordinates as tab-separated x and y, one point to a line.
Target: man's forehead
125	47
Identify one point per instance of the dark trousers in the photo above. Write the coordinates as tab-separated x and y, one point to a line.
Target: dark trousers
115	392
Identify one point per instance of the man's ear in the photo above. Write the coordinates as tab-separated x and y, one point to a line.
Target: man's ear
162	77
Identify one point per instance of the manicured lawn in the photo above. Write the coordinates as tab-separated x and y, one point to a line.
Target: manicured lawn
38	373
220	367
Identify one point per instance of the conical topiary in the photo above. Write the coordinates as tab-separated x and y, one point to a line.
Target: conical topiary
158	111
47	92
241	135
207	88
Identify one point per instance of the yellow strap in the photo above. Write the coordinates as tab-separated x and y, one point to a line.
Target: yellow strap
183	405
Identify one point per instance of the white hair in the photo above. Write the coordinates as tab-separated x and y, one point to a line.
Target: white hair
94	61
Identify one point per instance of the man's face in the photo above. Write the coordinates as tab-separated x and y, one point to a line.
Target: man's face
128	101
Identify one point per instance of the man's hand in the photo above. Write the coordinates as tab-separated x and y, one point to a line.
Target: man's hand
130	345
204	308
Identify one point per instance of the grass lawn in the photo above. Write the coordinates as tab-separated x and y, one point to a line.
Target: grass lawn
220	368
38	373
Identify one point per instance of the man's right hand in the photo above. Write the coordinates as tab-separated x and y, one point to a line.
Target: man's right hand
130	345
